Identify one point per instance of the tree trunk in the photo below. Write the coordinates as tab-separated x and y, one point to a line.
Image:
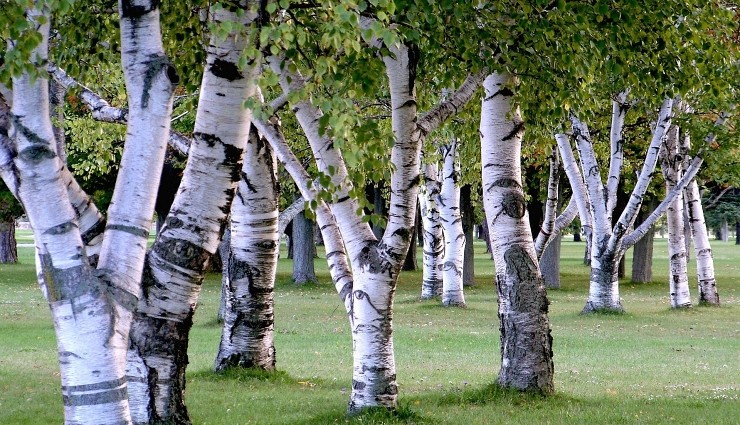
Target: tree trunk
224	248
8	245
177	261
642	253
433	250
304	250
379	208
468	223
707	283
247	339
604	284
723	231
737	233
550	263
454	238
526	342
671	164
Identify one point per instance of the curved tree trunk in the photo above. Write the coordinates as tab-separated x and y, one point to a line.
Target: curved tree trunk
304	250
526	342
8	245
454	238
247	339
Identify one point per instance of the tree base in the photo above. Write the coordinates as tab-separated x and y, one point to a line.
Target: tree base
449	303
591	308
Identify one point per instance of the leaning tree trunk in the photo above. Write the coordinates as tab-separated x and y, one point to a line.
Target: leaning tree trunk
678	282
526	342
702	249
433	249
452	231
304	249
177	261
247	339
8	245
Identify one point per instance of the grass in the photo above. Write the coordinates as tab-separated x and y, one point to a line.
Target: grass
648	366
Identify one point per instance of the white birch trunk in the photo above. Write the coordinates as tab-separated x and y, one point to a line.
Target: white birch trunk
247	339
177	261
90	354
580	194
708	293
526	343
433	246
678	280
449	216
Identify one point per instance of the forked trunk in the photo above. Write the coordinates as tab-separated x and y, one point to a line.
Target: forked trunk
526	343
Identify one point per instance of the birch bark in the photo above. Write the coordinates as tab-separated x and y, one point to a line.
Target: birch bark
526	343
671	165
92	308
454	238
433	244
707	284
177	260
247	339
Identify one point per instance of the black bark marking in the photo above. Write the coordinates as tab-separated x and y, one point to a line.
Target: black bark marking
154	66
110	396
183	253
210	139
514	204
61	229
106	385
132	11
250	186
407	104
517	130
226	70
414	56
524	295
136	231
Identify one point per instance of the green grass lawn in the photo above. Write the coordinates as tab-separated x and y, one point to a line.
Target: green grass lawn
648	366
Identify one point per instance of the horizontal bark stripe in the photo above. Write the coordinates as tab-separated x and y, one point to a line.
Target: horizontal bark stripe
61	229
104	397
105	385
136	231
94	231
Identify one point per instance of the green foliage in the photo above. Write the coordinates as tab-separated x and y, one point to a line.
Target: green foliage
10	208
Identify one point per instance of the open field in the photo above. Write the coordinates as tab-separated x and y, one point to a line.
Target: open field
648	366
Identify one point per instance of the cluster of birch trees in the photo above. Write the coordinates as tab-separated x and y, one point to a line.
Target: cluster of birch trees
122	311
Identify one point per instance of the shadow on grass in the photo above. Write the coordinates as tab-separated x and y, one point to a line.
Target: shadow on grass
373	416
244	375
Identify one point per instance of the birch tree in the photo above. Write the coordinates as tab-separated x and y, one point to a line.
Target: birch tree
176	263
433	242
92	306
454	238
526	343
671	166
